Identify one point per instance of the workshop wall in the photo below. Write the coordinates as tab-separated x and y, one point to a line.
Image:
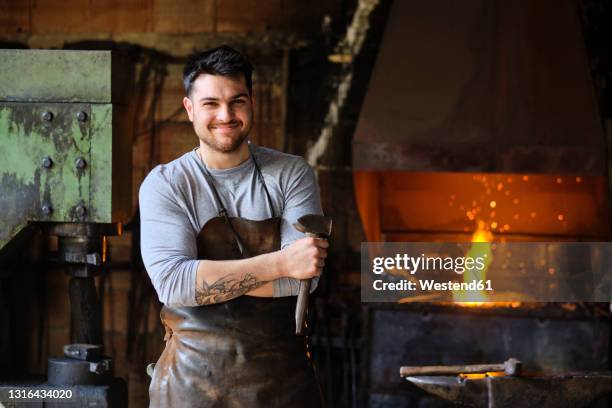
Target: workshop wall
110	17
289	44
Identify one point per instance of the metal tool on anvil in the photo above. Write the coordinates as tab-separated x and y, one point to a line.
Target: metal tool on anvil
511	367
316	226
528	390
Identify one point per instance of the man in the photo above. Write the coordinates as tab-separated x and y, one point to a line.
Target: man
223	256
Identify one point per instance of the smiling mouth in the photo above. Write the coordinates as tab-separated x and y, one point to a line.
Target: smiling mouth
228	126
225	130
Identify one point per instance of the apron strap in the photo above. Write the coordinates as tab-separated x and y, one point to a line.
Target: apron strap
223	212
209	180
263	182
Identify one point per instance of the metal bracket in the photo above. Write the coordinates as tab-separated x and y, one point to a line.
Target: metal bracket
100	367
79	258
85	352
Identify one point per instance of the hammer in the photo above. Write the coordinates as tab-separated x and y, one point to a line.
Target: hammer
511	367
316	226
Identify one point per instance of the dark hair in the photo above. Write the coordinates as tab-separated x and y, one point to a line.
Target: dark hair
223	60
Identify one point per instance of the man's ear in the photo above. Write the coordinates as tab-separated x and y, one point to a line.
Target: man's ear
188	107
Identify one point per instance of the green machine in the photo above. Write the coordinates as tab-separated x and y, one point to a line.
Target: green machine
65	169
60	160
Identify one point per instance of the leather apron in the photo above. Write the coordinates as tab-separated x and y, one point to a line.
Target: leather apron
238	353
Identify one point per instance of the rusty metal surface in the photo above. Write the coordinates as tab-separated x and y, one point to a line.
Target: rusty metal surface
494	86
55	76
39	179
64	152
83	229
571	390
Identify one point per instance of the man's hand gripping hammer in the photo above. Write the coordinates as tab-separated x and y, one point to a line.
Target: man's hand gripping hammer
316	226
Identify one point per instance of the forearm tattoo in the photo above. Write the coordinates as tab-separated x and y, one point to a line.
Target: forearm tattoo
226	288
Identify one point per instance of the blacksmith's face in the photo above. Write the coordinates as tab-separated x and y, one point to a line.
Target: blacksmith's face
221	110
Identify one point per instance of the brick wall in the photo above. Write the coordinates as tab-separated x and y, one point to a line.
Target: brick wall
41	17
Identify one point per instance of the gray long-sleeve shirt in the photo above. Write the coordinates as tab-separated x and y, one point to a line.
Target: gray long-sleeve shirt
176	202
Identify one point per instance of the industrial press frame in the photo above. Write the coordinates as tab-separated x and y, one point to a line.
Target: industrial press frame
63	167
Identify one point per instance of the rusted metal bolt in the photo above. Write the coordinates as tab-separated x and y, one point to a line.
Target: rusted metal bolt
46	209
81	210
80	163
47	162
81	116
47	116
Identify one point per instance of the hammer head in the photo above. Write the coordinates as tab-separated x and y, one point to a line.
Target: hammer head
314	225
513	367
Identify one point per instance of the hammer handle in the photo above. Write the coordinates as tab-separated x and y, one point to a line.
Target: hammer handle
450	370
302	300
301	306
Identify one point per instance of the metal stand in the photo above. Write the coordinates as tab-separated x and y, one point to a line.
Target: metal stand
84	366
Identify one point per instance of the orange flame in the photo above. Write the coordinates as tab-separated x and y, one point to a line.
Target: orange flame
471	299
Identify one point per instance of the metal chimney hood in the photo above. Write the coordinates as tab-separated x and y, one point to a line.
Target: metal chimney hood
481	86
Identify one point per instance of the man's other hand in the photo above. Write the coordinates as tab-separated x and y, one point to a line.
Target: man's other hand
304	258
